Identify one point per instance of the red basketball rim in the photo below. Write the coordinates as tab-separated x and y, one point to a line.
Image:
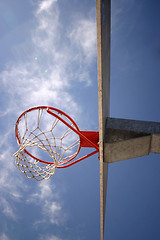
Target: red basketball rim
56	110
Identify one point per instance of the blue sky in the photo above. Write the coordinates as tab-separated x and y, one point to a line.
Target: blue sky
48	57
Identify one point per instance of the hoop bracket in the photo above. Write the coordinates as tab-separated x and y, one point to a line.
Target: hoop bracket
93	136
85	135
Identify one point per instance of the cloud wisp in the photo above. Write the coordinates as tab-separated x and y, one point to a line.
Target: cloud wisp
3	236
46	197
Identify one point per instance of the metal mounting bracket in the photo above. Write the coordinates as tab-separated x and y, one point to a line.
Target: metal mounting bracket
126	139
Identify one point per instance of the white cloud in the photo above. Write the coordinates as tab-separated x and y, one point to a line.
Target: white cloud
44	191
3	236
8	209
49	237
47	33
84	36
45	5
48	200
52	210
10	188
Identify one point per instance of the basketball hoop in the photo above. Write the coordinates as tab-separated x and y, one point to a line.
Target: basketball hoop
48	139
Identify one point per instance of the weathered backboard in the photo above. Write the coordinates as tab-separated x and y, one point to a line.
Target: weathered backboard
103	9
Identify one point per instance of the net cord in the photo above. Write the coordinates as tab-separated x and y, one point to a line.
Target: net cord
46	169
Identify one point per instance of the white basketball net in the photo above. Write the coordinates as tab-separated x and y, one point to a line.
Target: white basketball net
32	168
55	145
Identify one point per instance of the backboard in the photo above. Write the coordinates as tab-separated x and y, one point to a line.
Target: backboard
103	10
